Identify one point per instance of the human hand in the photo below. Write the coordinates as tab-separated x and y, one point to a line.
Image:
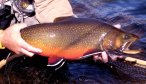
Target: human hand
104	57
11	39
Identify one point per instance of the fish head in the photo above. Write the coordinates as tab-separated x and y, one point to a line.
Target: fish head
120	41
124	41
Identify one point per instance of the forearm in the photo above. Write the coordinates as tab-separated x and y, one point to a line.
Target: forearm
48	10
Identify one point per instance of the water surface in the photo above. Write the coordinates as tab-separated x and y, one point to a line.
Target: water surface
130	14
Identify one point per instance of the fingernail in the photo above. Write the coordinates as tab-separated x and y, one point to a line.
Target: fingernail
39	50
31	55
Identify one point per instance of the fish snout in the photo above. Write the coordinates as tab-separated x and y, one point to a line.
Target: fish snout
132	48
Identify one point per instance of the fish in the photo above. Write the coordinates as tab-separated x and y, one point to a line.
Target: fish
76	38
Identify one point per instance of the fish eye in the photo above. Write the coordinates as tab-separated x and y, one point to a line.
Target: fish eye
126	36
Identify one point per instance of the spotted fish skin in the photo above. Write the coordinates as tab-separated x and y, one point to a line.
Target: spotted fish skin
74	38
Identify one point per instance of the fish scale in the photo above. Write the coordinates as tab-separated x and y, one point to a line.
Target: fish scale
75	38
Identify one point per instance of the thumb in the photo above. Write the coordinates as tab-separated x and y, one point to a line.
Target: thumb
21	26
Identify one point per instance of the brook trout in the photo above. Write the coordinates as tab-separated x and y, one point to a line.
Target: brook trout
75	38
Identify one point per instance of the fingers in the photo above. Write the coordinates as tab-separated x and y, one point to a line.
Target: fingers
30	54
104	57
97	57
115	57
24	46
13	41
29	48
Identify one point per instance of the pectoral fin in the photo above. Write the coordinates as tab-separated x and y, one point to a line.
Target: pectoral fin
54	61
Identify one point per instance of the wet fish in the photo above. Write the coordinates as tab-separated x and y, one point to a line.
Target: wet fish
76	38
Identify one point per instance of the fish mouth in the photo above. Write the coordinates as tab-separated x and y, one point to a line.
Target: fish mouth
125	48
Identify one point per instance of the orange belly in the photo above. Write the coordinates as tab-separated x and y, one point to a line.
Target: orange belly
71	53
